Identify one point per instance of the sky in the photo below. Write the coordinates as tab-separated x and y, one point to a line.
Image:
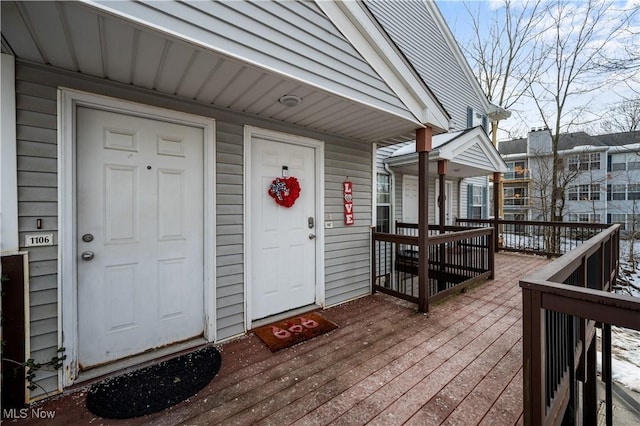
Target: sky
526	116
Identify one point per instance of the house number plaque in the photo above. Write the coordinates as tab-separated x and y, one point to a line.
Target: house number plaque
38	240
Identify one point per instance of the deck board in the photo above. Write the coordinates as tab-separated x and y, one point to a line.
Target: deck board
386	364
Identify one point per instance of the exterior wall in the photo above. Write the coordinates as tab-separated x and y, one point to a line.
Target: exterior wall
8	171
346	247
412	26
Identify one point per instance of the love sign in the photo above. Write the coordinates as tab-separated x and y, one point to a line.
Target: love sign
347	187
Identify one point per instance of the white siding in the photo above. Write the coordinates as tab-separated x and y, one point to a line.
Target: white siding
412	27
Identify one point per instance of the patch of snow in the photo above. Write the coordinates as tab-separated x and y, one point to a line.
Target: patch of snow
625	343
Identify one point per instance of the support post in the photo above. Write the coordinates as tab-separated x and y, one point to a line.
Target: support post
497	192
442	195
533	370
423	147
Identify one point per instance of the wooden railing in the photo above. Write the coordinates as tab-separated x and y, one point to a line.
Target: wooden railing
562	306
534	237
456	259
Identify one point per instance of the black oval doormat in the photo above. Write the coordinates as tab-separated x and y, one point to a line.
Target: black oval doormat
154	388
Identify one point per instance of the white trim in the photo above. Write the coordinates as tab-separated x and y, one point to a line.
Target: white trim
318	145
8	157
68	100
364	33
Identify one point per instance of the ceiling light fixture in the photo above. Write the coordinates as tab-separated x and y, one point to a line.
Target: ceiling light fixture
290	100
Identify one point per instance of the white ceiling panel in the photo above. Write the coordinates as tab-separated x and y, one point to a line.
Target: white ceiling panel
78	38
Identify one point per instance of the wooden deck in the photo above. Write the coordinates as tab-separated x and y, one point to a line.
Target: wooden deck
385	365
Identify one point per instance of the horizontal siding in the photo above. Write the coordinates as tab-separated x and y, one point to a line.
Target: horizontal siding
37	199
412	27
347	248
229	230
474	156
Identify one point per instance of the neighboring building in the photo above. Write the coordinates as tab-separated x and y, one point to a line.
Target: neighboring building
429	45
139	141
601	177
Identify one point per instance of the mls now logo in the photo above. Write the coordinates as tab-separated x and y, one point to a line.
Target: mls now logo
23	413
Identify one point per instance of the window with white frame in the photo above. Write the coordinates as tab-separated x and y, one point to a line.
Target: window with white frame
584	192
620	218
617	162
587	161
477	202
633	191
584	217
383	203
619	192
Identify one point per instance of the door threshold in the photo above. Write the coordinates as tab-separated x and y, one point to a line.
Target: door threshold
284	315
136	362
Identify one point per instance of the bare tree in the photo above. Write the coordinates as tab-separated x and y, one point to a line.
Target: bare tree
501	51
577	35
624	117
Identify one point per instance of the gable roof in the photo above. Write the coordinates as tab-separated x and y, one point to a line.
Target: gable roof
469	151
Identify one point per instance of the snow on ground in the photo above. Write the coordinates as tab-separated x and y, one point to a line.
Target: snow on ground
625	343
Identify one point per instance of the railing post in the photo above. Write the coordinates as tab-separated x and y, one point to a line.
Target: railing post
606	372
492	254
533	377
590	395
497	180
373	260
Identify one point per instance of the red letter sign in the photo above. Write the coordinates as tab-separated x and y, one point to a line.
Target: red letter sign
348	202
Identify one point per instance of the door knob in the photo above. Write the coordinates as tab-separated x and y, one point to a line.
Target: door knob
312	236
87	255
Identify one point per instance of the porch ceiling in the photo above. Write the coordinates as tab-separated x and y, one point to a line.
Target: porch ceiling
78	38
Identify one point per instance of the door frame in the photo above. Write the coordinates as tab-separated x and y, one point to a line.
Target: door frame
68	101
448	190
318	145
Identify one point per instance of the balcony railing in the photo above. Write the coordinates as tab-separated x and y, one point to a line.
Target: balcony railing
457	258
562	306
534	237
516	175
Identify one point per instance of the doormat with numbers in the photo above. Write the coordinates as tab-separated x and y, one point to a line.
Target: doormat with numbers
154	388
286	333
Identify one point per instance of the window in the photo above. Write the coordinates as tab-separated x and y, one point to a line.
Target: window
584	192
617	161
584	162
517	170
477	202
572	193
618	192
573	162
633	191
618	218
584	217
515	196
383	203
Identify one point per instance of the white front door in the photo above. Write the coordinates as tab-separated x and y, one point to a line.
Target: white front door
140	222
283	244
410	199
448	202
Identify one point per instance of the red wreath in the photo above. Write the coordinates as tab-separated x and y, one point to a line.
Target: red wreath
285	190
